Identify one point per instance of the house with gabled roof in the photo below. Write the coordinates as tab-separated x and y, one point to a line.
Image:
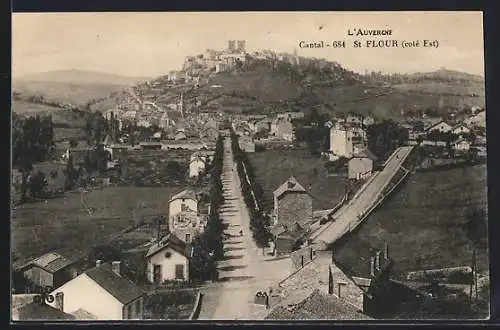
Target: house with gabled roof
182	201
437	125
49	270
102	293
168	259
310	291
292	215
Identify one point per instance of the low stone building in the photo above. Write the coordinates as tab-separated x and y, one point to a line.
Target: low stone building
361	165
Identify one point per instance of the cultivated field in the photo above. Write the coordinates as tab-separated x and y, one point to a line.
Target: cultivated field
427	223
274	167
64	223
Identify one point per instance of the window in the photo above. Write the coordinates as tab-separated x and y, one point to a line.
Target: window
188	238
179	272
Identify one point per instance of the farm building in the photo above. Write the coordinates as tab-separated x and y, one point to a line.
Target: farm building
183	201
292	203
186	225
50	270
361	165
101	293
286	238
292	215
168	259
196	165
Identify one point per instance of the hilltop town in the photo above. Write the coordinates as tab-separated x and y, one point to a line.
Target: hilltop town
260	185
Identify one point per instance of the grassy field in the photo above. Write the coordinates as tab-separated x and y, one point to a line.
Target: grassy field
426	223
64	223
274	167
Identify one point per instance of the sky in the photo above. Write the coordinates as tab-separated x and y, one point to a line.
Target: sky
151	44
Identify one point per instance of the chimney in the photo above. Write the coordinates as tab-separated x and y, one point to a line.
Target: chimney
377	261
98	262
60	301
386	251
115	267
372	266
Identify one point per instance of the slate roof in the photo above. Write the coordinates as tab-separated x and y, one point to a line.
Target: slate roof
317	306
35	311
122	289
185	194
291	185
51	262
172	242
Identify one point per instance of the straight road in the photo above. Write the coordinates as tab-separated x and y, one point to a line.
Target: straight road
244	270
347	216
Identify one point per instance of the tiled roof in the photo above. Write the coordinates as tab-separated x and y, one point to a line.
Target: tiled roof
35	311
328	307
172	242
119	287
185	194
291	185
51	262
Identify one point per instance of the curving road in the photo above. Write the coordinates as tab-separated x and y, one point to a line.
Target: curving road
347	216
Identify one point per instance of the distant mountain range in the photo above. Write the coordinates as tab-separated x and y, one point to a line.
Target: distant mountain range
81	77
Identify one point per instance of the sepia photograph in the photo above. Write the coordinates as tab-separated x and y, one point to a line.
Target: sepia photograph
246	166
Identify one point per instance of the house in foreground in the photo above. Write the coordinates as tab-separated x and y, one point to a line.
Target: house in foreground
315	290
25	307
168	259
101	293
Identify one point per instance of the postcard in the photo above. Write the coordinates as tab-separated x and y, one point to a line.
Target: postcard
248	166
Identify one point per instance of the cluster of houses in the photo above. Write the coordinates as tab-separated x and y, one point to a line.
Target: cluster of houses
102	292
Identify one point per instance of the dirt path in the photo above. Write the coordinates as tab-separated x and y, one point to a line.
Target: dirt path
244	270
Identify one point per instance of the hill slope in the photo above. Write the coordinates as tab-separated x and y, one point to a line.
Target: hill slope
81	77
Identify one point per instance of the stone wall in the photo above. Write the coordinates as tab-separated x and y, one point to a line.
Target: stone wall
294	207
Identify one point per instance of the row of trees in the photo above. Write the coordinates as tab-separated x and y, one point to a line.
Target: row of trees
32	142
385	137
252	193
208	247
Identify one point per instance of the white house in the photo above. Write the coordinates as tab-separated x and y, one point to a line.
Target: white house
183	201
168	259
361	165
196	165
441	126
460	129
341	141
102	294
461	145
